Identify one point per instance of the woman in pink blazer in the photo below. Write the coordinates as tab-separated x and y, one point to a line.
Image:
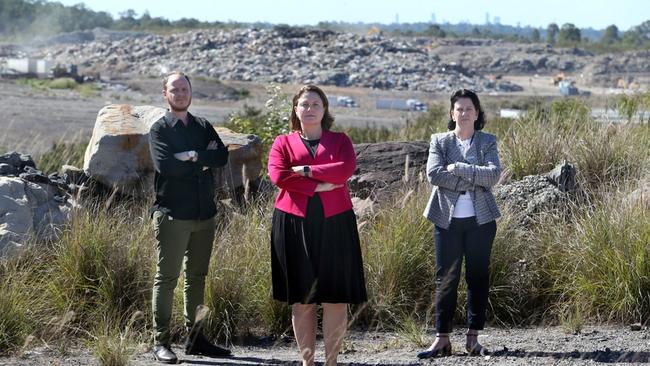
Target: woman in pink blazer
316	255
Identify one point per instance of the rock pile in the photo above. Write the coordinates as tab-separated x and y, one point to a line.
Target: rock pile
298	55
282	54
537	193
31	203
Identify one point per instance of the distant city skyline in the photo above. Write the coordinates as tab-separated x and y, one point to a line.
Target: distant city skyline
597	14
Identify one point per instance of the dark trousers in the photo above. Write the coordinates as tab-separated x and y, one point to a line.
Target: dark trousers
463	239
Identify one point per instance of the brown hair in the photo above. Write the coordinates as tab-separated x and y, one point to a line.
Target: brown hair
175	72
326	122
466	93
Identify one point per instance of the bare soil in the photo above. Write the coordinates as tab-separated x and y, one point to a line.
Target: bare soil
518	346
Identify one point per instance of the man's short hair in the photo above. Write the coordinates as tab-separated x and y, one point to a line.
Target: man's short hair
175	72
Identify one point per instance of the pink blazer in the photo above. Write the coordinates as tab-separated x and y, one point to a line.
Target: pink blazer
334	162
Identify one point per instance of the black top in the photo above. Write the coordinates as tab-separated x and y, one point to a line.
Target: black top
184	190
311	145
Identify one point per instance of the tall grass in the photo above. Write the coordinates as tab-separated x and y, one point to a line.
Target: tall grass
113	345
14	325
99	262
62	154
397	246
239	285
586	262
605	268
99	270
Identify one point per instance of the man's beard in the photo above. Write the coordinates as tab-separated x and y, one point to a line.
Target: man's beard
179	108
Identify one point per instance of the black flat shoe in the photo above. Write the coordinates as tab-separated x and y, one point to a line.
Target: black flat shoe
198	344
440	352
164	354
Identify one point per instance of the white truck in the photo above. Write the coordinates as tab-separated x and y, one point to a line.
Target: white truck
342	101
402	104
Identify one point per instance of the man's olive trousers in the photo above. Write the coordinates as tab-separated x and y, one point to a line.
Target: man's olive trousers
178	243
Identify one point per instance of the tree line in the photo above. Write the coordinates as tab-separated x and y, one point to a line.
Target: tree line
25	18
22	19
568	35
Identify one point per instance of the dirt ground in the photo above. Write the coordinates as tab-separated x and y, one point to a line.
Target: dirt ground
521	346
35	119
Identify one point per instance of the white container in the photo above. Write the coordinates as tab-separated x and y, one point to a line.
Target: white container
22	65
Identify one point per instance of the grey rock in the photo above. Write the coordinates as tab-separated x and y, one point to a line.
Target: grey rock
118	154
382	167
530	196
563	176
29	210
6	169
17	160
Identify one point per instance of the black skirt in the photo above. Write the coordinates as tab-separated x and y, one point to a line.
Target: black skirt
316	260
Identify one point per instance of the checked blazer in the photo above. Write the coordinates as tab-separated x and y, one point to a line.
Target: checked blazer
475	172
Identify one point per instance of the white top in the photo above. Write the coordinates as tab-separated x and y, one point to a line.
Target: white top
465	205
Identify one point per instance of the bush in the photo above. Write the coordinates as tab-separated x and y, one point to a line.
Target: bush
14	326
63	83
265	125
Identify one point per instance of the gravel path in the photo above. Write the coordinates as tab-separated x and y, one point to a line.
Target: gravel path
534	346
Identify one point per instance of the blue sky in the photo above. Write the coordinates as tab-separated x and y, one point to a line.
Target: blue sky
594	13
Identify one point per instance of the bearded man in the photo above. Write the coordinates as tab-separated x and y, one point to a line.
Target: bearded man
183	148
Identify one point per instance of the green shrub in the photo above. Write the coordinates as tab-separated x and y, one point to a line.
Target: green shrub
273	122
629	105
62	83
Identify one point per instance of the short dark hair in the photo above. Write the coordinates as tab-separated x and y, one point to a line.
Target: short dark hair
466	93
175	72
328	119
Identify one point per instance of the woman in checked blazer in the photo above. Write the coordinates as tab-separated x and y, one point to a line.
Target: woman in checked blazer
463	165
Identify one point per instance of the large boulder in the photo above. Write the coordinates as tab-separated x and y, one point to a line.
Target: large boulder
118	153
383	166
29	210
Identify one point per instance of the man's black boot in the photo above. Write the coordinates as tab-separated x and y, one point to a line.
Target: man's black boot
164	354
198	344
